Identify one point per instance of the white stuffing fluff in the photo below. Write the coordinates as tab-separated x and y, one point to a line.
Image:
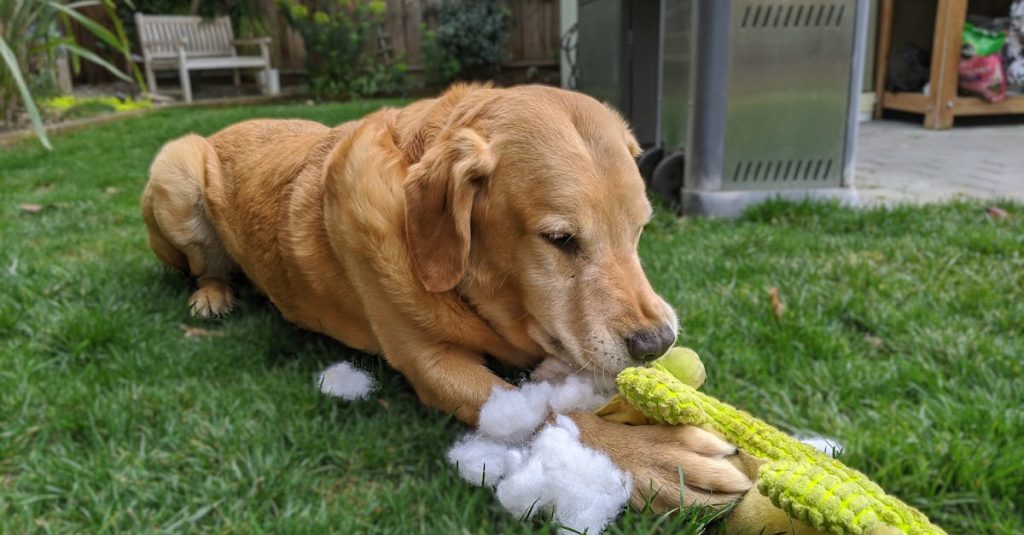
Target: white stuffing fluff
342	380
481	461
828	446
579	485
511	415
575	394
549	471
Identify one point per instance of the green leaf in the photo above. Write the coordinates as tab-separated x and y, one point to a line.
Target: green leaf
91	56
94	28
111	9
30	106
82	3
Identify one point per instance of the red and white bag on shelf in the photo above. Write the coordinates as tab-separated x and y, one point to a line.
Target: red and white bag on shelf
983	76
981	63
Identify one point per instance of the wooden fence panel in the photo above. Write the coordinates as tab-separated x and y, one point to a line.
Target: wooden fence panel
287	49
534	39
403	26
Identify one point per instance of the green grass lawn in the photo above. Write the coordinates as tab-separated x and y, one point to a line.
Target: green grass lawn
902	336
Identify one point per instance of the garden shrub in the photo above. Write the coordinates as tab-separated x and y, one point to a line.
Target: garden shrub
71	107
439	65
468	41
32	36
339	60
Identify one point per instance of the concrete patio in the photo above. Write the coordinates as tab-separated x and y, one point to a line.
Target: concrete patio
901	162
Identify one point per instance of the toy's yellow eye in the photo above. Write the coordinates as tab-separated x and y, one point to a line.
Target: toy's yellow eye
564	241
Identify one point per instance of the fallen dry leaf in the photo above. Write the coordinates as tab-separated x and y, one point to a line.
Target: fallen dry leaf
384	403
996	212
777	307
192	332
31	208
874	341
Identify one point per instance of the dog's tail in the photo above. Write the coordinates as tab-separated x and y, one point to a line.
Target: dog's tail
172	203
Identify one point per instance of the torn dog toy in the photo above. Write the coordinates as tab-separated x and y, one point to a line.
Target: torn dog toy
799	489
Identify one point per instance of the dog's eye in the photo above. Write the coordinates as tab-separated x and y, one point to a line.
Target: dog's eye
564	241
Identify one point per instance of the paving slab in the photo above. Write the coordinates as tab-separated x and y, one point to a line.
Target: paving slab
901	162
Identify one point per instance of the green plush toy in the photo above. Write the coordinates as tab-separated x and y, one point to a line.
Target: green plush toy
817	493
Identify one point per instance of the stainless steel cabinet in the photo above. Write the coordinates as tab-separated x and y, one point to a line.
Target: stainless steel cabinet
755	98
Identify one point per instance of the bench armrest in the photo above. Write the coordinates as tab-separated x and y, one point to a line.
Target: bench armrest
264	43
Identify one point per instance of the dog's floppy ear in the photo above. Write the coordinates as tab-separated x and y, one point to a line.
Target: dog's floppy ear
439	193
632	146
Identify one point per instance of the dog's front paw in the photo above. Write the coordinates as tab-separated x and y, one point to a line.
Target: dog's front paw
212	299
656	456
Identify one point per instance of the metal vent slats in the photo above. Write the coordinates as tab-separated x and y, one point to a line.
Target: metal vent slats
793	15
782	170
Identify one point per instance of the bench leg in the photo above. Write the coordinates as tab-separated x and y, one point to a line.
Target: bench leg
265	53
186	85
238	80
151	79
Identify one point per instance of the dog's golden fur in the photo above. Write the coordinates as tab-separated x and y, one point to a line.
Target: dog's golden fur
500	222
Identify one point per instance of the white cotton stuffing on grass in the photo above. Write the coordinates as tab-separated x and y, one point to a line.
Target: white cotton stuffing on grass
481	461
549	471
828	446
581	486
342	380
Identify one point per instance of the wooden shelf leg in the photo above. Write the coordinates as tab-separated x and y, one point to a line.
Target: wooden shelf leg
949	25
882	54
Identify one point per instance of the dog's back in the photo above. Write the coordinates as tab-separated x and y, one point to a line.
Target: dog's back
212	204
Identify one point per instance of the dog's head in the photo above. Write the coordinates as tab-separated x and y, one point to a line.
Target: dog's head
527	202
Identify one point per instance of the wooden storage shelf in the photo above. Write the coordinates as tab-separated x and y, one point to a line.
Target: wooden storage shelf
962	106
977	106
942	104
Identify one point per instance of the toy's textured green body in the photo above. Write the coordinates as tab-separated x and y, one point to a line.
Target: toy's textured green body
799	479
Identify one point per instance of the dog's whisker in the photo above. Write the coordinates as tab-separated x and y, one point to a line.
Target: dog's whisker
585	366
501	283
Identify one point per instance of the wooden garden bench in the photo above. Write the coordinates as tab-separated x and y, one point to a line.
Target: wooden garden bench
189	43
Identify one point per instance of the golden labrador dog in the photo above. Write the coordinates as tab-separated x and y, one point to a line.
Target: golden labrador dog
485	222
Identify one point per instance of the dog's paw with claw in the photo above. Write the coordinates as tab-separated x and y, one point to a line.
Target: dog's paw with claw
211	301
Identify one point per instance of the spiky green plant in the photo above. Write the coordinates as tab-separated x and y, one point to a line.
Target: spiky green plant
32	32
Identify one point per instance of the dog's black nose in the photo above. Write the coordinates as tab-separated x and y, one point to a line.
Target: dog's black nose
650	344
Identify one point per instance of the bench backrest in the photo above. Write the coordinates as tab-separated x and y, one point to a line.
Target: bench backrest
159	35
